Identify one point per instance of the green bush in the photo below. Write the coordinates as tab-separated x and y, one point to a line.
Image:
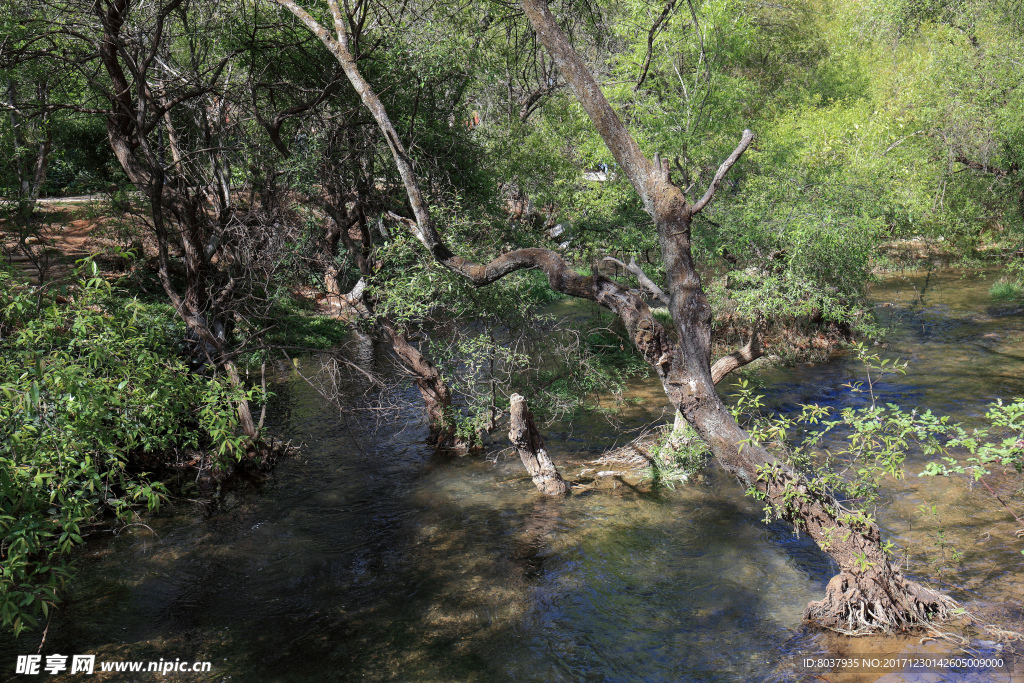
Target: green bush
89	378
678	455
850	452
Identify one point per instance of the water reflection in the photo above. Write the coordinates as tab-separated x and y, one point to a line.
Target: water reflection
369	558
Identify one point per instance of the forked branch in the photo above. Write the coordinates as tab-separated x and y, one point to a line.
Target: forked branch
648	334
748	137
645	282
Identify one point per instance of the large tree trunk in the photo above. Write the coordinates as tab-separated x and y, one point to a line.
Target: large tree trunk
135	113
870	593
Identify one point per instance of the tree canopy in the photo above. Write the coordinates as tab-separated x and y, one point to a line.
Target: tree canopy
438	173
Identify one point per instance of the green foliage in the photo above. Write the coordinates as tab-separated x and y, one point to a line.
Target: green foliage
89	378
945	554
536	290
588	364
777	298
82	161
1006	291
299	325
489	342
678	456
849	454
947	93
976	451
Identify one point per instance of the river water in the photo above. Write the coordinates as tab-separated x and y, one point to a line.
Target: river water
367	557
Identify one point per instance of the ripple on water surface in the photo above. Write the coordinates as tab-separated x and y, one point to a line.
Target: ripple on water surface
368	557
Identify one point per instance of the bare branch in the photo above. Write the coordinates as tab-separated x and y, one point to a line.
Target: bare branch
901	141
650	42
985	168
37	109
645	281
745	141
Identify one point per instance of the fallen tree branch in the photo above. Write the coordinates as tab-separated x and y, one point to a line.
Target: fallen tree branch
986	168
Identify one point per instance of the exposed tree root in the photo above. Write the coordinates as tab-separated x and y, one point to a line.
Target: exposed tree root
873	601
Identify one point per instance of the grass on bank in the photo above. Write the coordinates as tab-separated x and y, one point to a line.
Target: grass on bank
1005	290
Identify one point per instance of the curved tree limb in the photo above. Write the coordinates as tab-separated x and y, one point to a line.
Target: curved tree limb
737	359
870	592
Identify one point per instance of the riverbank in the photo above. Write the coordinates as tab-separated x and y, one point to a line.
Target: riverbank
370	557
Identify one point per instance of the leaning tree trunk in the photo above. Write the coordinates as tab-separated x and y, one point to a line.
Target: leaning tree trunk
869	593
437	398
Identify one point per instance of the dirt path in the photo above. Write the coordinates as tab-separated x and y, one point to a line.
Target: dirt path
67	229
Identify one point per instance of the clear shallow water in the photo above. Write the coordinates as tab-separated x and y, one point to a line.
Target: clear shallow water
370	558
964	352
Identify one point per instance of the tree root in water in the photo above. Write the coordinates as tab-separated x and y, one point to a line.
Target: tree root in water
873	601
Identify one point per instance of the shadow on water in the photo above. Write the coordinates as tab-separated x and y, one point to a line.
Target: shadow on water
369	558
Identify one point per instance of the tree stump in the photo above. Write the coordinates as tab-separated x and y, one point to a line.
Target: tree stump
529	443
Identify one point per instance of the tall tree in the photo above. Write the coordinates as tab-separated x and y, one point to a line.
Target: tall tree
870	592
166	79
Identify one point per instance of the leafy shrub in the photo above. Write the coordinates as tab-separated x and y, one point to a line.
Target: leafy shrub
679	455
849	453
89	379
